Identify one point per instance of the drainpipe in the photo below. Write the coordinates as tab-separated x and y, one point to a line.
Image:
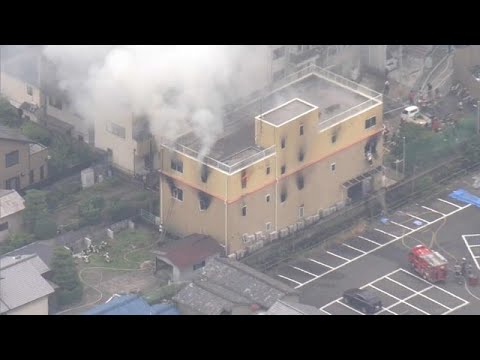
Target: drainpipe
226	215
276	185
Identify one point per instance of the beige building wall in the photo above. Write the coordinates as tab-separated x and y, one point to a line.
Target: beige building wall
15	223
17	91
37	307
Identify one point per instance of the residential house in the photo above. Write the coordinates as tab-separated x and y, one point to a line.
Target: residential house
182	257
22	161
24	290
228	287
131	304
11	213
282	307
301	152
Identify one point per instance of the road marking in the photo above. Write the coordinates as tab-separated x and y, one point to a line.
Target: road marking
386	293
474	245
386	233
390	311
354	248
404	301
418	218
435	211
305	271
403	226
386	244
325	311
449	203
470	250
338	256
318	262
295	281
373	242
351	308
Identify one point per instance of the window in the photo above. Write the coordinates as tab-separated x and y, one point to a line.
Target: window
13	183
301	130
11	158
117	130
301	155
334	138
301	211
268	226
55	102
268	170
177	165
203	205
283	143
42	172
283	169
267	198
300	182
4	226
244	210
370	122
29	90
278	53
32	177
244	178
283	196
178	194
199	265
333	166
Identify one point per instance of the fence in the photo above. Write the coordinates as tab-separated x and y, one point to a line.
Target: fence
388	200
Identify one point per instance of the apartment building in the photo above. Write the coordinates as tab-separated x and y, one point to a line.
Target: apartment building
22	162
298	153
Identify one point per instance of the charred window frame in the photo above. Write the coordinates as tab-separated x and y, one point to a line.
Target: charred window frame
267	170
301	155
244	210
283	195
267	198
283	169
334	138
333	166
370	122
300	181
301	130
177	194
177	165
204	200
205	172
371	145
29	90
243	175
283	142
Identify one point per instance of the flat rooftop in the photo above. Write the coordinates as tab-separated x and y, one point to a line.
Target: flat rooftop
329	96
286	112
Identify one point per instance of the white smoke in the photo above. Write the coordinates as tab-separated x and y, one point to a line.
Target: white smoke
178	88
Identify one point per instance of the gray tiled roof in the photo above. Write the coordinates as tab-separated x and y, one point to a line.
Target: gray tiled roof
223	283
282	307
21	281
10	203
13	134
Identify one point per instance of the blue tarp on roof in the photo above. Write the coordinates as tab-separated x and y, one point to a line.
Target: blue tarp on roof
132	305
464	196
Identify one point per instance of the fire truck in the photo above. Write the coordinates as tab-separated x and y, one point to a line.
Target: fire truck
431	265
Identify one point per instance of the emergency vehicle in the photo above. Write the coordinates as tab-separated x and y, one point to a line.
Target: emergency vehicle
431	265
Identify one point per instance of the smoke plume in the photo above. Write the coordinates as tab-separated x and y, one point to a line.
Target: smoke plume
178	88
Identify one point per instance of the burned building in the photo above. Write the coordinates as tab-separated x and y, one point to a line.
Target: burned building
274	172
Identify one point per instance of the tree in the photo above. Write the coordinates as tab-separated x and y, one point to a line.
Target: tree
45	228
8	114
35	207
65	275
89	210
36	133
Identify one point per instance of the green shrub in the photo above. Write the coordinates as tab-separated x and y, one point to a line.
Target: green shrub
45	228
37	133
120	210
67	297
90	210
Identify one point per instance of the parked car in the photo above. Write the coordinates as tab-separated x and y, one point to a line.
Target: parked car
409	113
362	300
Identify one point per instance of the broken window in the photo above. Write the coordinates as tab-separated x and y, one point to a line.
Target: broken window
370	122
333	166
268	170
301	155
283	195
205	200
204	173
267	198
177	165
244	210
301	130
300	182
283	169
334	138
371	145
178	194
244	178
283	143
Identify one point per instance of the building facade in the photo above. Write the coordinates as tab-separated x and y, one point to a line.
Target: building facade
11	213
317	149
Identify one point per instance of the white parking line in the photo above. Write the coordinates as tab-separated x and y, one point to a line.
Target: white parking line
373	242
305	271
403	226
470	250
473	245
284	277
418	218
386	233
354	248
351	308
435	211
338	256
390	311
404	301
449	203
408	233
318	262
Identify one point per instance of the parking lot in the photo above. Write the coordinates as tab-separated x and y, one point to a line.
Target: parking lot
403	293
399	226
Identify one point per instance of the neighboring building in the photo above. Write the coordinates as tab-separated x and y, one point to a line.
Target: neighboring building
23	287
27	79
131	304
228	287
274	172
466	68
22	162
182	257
11	213
282	307
43	250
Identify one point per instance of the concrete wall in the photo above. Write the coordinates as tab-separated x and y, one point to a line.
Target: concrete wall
67	115
37	307
15	222
465	59
16	91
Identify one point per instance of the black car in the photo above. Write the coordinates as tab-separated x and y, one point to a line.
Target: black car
363	300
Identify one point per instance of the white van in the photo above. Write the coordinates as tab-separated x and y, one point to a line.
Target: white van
409	113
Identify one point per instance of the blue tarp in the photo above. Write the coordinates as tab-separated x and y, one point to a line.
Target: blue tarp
464	196
132	305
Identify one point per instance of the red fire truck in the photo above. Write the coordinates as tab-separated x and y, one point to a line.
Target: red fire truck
431	265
